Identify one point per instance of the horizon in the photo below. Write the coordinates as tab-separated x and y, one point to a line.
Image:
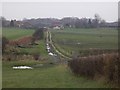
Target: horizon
106	10
54	18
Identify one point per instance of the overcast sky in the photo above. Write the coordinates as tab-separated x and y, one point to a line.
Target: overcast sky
20	10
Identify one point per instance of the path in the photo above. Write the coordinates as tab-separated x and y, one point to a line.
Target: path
52	50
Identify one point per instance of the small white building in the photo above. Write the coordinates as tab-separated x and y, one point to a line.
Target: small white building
57	28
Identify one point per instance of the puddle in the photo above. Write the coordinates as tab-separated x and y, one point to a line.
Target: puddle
78	43
22	67
51	54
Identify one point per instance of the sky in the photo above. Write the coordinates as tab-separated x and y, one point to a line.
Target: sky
19	10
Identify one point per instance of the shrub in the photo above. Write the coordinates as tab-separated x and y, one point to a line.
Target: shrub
36	56
5	41
105	65
39	34
111	68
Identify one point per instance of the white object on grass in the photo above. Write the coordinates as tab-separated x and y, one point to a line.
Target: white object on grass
22	67
78	43
48	47
55	54
48	50
51	54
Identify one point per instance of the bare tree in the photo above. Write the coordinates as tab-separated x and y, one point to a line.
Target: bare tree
97	20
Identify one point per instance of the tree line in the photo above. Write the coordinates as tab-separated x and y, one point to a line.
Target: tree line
73	22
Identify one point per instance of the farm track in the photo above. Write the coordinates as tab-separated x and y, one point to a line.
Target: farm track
55	58
59	54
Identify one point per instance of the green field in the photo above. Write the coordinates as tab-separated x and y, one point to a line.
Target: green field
55	75
47	76
76	40
39	49
15	33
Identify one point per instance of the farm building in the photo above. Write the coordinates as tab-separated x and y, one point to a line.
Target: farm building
58	27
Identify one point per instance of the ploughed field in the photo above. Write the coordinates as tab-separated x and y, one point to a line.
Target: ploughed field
72	41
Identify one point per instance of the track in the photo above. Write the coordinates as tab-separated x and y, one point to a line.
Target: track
53	52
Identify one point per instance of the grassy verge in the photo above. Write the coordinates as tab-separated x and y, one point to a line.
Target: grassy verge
39	49
62	50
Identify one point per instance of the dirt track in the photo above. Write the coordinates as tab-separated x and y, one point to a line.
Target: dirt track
53	50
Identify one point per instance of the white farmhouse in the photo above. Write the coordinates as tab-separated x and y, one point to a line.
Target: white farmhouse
57	28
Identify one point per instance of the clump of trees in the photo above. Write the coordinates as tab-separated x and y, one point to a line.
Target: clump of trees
37	35
73	22
12	23
90	23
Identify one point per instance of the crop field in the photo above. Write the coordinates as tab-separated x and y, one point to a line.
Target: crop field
73	40
16	33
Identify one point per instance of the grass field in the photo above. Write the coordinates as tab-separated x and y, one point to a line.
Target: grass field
75	40
39	49
55	75
47	76
16	33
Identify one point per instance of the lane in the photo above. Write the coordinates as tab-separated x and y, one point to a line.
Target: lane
56	48
55	55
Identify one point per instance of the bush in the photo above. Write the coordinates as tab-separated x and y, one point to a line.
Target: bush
38	34
15	57
106	65
5	41
36	56
111	68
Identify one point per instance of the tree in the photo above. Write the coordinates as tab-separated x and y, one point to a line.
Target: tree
97	20
90	22
5	41
102	23
38	34
82	23
12	23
